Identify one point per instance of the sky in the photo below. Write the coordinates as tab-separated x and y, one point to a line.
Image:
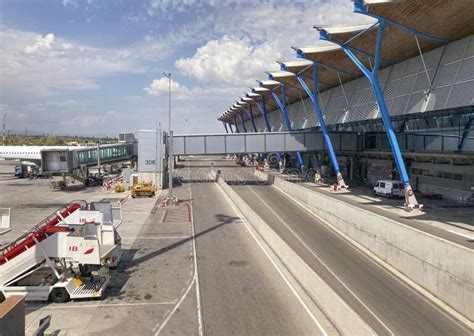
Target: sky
95	67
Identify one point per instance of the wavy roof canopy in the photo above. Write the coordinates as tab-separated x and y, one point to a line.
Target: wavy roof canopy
441	21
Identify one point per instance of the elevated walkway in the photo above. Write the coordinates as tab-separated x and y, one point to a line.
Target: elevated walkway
67	160
302	141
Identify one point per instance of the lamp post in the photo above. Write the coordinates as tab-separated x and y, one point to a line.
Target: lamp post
170	143
4	118
98	147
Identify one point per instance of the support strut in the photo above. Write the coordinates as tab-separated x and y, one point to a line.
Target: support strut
242	121
252	119
282	105
373	77
313	95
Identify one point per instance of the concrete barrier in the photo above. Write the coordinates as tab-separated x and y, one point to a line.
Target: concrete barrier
337	310
443	268
12	316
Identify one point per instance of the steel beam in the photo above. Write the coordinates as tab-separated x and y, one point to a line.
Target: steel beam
372	76
282	105
313	95
242	121
236	126
465	134
263	110
252	119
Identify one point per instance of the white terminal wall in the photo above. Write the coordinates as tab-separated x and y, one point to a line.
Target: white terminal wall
151	151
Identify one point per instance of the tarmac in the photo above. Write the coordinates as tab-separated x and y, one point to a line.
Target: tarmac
189	270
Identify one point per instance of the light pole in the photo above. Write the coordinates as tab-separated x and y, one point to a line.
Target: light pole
98	147
4	118
170	143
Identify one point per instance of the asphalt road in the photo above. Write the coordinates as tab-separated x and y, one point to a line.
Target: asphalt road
241	292
383	301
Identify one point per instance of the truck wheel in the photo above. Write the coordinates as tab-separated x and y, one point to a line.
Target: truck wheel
59	295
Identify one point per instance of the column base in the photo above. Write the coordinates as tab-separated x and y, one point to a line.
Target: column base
340	185
411	203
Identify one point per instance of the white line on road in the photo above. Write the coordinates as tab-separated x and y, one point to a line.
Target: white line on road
156	238
100	305
198	292
461	234
322	262
293	290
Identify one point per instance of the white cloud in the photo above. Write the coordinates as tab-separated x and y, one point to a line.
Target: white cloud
229	60
71	3
42	65
41	43
251	41
160	86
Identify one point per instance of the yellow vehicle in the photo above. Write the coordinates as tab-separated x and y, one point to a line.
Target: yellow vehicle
143	188
119	187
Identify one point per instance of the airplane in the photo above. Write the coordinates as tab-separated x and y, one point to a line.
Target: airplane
32	153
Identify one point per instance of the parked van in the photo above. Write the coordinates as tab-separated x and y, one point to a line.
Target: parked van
389	188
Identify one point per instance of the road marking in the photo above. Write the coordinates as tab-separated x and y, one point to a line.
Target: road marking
106	305
196	272
293	290
156	238
461	234
323	263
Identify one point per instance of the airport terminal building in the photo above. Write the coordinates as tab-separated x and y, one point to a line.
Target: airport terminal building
426	81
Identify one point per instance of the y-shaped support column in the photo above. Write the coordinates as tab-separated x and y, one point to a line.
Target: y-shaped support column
282	105
373	77
242	121
249	112
236	126
263	110
313	95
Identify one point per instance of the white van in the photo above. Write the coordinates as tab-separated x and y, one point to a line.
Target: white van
389	188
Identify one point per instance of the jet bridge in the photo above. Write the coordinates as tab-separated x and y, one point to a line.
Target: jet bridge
67	160
241	143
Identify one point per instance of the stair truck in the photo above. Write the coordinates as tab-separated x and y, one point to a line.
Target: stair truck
66	256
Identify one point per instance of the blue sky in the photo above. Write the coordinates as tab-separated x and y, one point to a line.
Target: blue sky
95	66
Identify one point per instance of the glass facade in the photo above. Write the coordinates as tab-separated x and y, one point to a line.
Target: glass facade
451	121
111	153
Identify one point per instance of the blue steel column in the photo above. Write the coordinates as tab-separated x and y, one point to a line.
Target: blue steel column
319	114
249	112
465	134
230	128
225	126
282	105
235	123
242	121
263	110
372	76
